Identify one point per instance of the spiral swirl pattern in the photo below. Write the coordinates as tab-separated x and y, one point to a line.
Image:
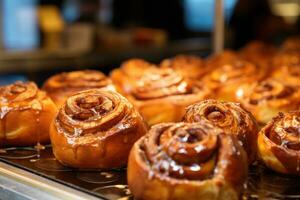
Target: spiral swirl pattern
161	83
265	99
231	118
279	143
100	121
186	153
18	92
188	66
86	79
288	74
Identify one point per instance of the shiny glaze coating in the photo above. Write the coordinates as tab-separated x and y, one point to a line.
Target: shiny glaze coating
25	115
279	143
95	129
60	86
288	74
190	67
187	161
231	118
265	99
163	94
230	75
125	77
259	53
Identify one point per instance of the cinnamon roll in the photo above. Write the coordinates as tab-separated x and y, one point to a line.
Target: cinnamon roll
231	118
218	60
60	86
186	161
190	67
279	143
286	58
161	96
258	53
265	99
25	115
95	129
291	44
289	74
125	77
226	79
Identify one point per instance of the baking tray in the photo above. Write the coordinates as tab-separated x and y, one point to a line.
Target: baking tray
111	185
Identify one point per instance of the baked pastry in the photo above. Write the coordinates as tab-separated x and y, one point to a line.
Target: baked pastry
25	115
286	58
265	99
228	77
190	67
162	95
60	86
125	77
291	44
186	161
231	118
95	129
288	74
258	53
279	143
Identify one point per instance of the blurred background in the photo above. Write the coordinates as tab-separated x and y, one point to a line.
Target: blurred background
42	37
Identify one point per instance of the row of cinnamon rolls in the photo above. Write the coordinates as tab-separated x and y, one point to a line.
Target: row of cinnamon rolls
199	149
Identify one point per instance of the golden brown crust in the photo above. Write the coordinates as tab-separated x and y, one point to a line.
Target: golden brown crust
279	143
258	53
125	77
161	96
190	67
218	60
95	129
289	74
289	57
231	118
230	75
265	99
60	86
186	161
25	115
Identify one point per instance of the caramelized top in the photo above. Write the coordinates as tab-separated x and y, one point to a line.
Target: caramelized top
283	134
161	83
94	112
136	68
234	71
230	117
86	79
20	95
188	66
269	90
193	151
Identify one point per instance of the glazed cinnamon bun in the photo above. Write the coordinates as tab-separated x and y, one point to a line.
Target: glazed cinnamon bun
286	58
190	67
60	86
231	118
265	99
288	74
258	53
218	60
125	77
25	115
95	129
226	79
279	143
186	161
161	96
